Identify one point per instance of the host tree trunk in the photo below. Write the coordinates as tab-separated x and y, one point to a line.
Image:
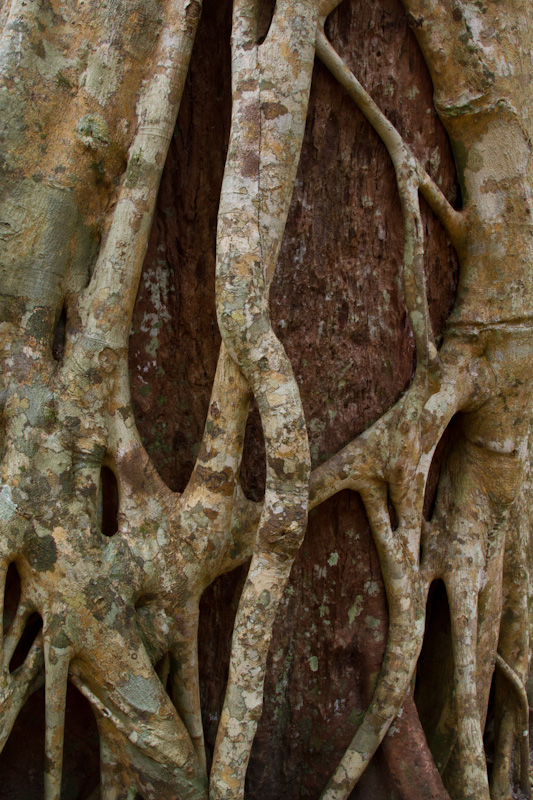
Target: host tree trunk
292	293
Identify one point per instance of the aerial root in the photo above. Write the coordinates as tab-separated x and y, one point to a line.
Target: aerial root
406	630
19	686
452	221
16	629
260	598
116	782
100	706
152	741
247	248
463	602
408	180
107	322
508	733
57	662
184	676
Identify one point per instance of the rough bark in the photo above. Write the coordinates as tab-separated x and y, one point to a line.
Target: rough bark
67	419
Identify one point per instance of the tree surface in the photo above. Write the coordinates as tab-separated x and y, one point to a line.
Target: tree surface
292	300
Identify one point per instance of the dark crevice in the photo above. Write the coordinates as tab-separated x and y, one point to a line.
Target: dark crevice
489	734
30	633
457	202
392	512
108	502
435	666
253	469
34	623
264	20
11	596
58	344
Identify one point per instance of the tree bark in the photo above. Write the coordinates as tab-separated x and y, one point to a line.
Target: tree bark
333	324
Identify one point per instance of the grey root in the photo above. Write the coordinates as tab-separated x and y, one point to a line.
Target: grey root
88	102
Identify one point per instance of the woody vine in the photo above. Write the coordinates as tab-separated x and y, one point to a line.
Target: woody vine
120	614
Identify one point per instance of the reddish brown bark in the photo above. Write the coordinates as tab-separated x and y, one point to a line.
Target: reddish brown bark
338	310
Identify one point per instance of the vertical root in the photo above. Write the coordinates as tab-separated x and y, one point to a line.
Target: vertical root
15	631
507	728
243	702
125	690
19	686
57	662
248	241
463	600
186	685
406	630
116	782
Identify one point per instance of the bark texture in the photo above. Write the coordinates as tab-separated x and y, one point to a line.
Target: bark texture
337	307
314	353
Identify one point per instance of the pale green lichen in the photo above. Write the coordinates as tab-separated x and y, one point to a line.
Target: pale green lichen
93	131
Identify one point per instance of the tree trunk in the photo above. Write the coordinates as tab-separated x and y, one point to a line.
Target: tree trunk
124	545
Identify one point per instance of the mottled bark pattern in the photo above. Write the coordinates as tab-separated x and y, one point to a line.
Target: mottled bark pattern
287	329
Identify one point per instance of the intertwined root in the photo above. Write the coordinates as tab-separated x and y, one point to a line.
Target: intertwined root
113	609
512	660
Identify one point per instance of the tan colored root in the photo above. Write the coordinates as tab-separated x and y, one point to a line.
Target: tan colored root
156	741
509	732
471	567
56	663
18	686
14	633
105	331
185	682
116	780
463	611
409	177
106	322
248	241
406	630
169	547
